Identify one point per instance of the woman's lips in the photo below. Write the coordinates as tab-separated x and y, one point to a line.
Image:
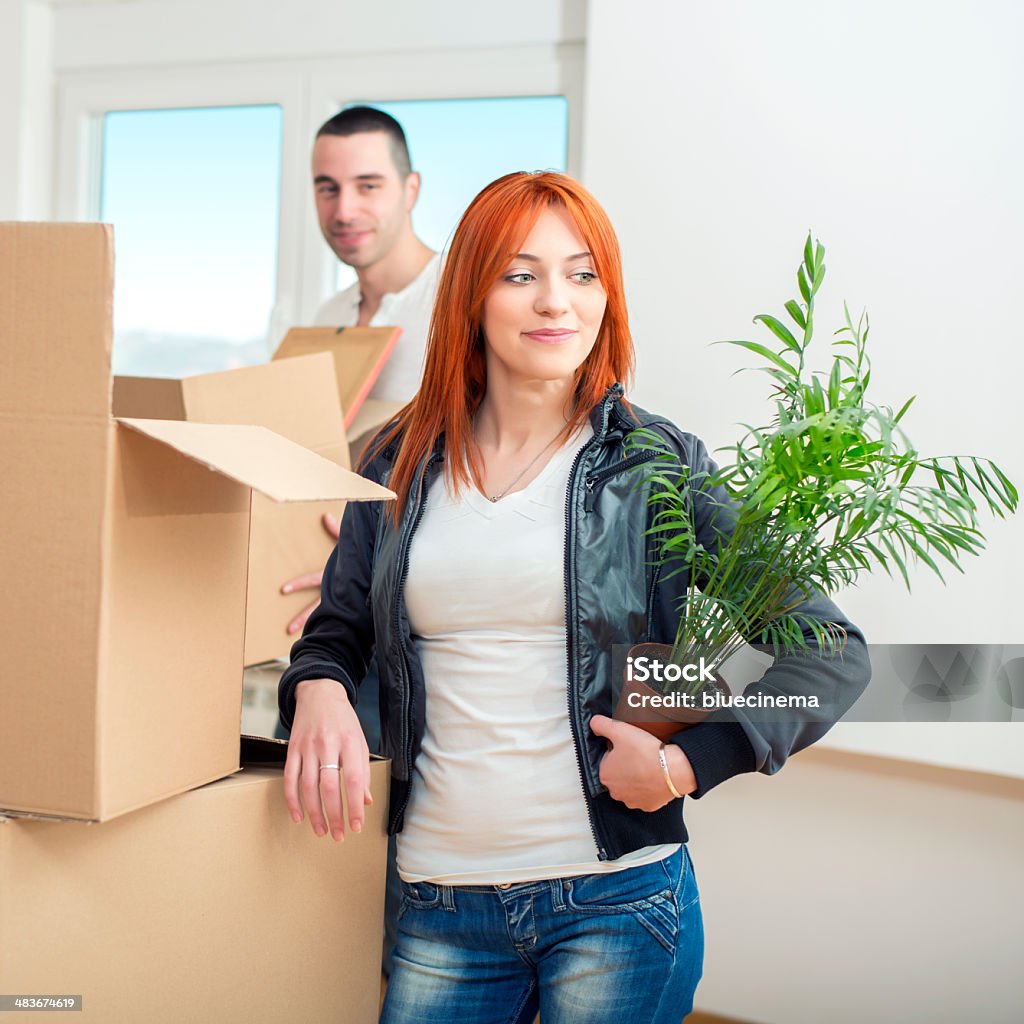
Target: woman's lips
549	336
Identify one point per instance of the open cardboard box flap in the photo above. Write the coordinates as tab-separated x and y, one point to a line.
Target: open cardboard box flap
296	398
359	356
261	459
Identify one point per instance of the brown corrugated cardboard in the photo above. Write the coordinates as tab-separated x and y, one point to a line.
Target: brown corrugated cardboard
210	906
124	559
359	355
298	399
373	414
259	458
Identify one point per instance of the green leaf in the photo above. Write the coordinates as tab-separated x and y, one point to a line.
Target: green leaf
762	350
796	313
1009	490
809	254
896	557
834	382
906	406
779	330
805	289
923	555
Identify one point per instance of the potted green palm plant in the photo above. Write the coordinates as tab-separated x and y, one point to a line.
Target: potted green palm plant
829	489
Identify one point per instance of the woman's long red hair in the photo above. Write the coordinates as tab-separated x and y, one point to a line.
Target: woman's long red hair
491	231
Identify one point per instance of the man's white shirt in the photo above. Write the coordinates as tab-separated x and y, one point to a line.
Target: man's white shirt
409	309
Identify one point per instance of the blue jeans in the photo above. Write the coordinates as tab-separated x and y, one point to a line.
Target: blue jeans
623	946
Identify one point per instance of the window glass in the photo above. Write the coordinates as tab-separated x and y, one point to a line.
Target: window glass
460	145
194	197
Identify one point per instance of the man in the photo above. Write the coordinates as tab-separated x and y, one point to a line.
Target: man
365	190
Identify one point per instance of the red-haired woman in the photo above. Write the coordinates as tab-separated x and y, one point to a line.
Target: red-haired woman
540	843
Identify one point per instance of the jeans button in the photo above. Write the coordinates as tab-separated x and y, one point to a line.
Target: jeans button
505	885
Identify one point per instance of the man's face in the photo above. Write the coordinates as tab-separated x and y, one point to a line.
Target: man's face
361	201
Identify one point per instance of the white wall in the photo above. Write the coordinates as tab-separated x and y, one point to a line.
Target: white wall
26	109
850	889
149	32
892	130
846	888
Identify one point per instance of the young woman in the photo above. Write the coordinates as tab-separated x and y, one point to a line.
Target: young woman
540	842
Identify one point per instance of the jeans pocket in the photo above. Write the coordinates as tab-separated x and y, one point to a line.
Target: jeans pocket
421	895
648	894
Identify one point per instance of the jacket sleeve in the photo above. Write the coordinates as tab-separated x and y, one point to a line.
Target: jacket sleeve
337	641
735	740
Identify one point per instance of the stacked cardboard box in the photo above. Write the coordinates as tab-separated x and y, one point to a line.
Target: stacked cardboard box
125	562
210	906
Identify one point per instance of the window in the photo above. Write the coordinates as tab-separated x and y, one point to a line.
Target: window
194	197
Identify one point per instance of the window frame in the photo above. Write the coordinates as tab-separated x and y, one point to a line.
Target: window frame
308	92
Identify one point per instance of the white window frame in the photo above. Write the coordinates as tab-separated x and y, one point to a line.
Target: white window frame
308	92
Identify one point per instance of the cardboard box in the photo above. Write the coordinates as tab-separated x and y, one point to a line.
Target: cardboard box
211	906
359	355
373	414
298	399
124	555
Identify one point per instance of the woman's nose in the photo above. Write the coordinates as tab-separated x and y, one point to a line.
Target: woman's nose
552	297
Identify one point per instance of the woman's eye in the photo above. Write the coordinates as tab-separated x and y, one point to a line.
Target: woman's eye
584	276
523	278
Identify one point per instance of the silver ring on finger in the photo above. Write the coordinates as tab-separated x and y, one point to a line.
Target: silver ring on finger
330	767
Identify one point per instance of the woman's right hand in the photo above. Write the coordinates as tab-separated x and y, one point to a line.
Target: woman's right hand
326	731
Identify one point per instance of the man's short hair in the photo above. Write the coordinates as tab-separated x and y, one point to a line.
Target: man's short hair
355	120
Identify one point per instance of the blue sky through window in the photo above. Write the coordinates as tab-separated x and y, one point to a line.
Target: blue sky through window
194	197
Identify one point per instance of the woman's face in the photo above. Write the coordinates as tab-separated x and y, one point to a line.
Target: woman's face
540	320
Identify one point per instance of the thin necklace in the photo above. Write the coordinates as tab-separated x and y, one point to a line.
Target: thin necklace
508	487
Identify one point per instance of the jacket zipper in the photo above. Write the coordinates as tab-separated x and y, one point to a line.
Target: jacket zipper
575	717
591	482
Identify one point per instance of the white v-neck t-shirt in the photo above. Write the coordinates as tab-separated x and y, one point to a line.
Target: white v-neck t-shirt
496	792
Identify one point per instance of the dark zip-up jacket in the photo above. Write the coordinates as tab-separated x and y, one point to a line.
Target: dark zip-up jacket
615	593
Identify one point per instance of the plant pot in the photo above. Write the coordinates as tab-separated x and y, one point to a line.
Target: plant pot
643	706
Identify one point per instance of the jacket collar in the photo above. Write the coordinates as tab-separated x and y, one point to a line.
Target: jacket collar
607	419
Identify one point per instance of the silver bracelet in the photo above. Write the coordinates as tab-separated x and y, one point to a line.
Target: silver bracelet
663	761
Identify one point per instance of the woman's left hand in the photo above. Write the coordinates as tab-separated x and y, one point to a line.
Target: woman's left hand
630	767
